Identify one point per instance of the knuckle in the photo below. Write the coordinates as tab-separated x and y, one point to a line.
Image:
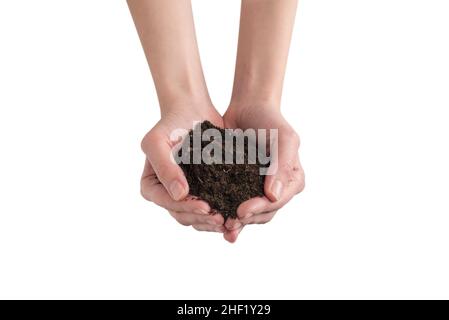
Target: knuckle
148	139
181	219
292	137
268	217
145	194
183	222
265	220
300	186
144	143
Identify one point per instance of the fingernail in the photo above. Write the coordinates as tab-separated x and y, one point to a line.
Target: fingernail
277	189
176	190
200	211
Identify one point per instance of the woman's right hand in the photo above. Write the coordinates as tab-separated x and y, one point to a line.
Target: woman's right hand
163	181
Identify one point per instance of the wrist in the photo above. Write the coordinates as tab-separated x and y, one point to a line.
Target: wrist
190	103
260	98
183	102
254	87
240	112
182	90
256	104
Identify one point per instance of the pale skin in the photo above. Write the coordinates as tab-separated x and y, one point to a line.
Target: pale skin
167	33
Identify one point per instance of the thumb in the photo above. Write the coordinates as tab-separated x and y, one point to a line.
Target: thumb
284	153
160	155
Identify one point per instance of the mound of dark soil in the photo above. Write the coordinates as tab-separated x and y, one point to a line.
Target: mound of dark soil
223	186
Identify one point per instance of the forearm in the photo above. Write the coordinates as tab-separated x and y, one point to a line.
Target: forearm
167	33
265	32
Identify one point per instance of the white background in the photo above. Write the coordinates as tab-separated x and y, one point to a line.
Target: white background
367	88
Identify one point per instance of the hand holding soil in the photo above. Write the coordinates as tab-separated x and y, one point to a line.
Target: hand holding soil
163	181
288	179
167	34
238	192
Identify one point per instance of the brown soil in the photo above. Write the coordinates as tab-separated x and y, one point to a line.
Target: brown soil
223	186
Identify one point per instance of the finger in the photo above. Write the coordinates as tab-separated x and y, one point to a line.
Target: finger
208	227
157	194
159	153
284	161
232	224
217	219
260	205
152	190
188	219
259	218
231	236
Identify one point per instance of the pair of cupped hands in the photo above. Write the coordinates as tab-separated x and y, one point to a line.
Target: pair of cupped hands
163	181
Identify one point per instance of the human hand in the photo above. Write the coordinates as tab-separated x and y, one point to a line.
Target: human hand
284	184
163	181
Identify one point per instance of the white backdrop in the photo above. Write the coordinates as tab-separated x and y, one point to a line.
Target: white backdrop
366	87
